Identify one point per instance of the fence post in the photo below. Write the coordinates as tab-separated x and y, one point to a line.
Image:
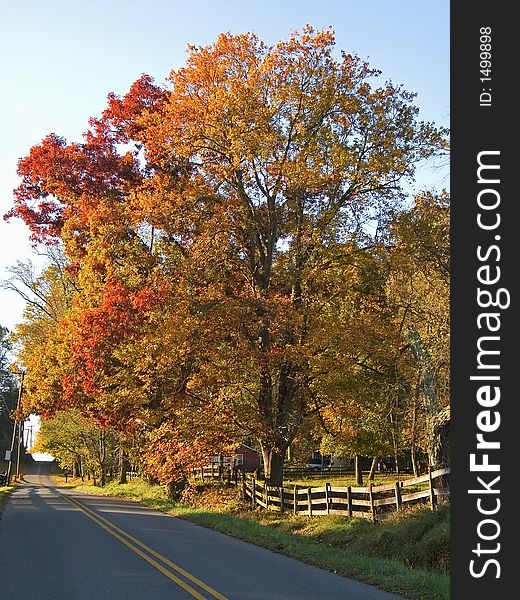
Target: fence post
327	496
202	473
432	492
371	496
253	491
295	499
309	501
244	488
266	497
349	501
397	495
281	499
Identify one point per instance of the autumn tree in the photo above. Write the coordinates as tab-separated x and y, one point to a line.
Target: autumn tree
355	375
419	286
217	205
386	389
78	444
285	153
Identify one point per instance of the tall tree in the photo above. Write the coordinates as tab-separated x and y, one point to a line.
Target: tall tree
223	198
285	153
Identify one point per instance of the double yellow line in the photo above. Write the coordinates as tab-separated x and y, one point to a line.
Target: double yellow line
146	553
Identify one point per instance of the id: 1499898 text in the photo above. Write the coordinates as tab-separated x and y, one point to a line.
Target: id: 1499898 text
485	66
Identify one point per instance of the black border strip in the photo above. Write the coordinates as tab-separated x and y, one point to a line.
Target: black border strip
483	123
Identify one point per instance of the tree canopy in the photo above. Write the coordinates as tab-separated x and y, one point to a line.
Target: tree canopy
226	263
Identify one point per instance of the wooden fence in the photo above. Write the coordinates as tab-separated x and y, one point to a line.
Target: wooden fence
222	472
350	501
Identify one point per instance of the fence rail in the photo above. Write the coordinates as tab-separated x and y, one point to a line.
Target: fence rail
351	501
222	472
320	472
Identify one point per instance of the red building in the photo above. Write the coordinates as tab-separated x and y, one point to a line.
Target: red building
245	458
248	458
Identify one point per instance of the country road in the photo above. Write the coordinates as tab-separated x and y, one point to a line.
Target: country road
58	544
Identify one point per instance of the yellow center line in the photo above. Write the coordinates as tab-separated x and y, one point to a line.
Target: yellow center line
132	542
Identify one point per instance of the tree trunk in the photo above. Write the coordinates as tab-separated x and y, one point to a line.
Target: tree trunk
373	466
414	425
357	468
122	473
280	417
79	469
123	467
273	465
393	420
414	460
439	451
175	489
101	457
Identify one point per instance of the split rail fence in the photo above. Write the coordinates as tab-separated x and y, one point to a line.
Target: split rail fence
349	501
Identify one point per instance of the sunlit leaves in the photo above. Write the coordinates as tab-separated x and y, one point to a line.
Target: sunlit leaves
218	230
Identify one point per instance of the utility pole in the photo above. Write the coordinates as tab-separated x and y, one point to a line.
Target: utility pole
20	439
29	437
20	389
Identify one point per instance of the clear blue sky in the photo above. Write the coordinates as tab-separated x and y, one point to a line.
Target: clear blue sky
60	58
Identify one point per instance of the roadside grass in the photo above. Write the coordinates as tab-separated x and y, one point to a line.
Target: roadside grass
4	490
407	553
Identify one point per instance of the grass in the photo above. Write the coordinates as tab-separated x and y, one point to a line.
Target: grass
320	479
349	480
4	490
406	554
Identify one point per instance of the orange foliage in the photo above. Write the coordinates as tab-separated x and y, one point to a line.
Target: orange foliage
204	221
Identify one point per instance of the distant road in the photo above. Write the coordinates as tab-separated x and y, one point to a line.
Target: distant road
57	544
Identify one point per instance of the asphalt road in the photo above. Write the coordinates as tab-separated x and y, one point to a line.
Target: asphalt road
57	544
